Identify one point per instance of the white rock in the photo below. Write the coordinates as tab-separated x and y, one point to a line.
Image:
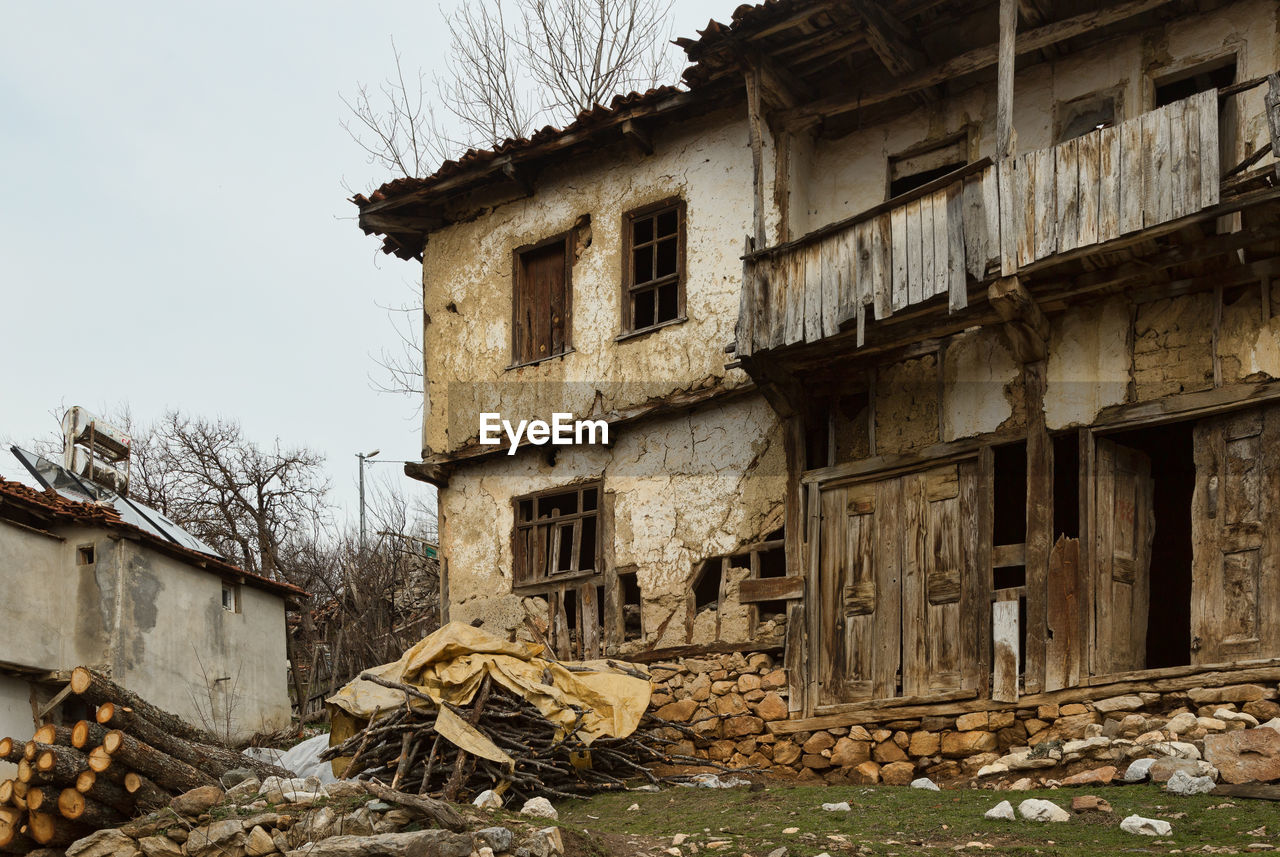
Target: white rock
1023	785
1182	783
539	807
1273	723
1139	770
1118	703
1084	745
926	784
635	807
843	806
993	769
1034	809
488	799
551	836
1146	826
1224	714
1003	811
679	838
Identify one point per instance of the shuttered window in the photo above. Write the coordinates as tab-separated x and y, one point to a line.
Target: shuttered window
541	304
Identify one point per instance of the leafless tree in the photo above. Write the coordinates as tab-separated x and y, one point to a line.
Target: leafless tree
512	65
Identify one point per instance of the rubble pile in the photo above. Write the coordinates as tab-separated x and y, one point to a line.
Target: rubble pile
132	758
546	760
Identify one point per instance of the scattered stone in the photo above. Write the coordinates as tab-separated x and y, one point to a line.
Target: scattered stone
1146	826
216	838
259	843
1165	768
539	807
1022	785
196	801
235	777
497	838
679	839
992	769
1182	783
1003	811
843	806
1246	755
926	784
1034	809
103	843
1089	803
159	846
780	852
418	843
244	790
1139	770
1228	716
1097	777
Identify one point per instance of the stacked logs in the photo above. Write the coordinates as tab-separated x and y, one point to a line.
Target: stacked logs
131	759
402	746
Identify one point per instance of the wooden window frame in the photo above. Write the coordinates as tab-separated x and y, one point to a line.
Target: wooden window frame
517	268
521	580
629	286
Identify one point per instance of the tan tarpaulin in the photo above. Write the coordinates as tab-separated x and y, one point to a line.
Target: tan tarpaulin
450	664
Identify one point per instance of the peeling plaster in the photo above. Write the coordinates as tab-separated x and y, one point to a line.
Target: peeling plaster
1088	367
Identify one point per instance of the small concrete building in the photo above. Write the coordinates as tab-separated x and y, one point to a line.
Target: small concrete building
184	629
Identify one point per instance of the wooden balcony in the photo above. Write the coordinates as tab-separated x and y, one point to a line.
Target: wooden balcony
982	221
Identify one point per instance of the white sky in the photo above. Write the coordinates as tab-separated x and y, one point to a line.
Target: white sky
174	232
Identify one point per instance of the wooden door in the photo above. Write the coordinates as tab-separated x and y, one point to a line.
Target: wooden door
1123	526
1235	596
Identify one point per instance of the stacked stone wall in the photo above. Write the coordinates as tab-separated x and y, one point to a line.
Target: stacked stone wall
729	700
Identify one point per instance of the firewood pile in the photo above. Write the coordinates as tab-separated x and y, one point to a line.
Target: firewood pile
402	746
131	759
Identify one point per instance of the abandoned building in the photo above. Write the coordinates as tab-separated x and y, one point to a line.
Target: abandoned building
979	420
98	580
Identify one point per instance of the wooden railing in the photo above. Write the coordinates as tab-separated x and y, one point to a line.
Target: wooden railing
1111	182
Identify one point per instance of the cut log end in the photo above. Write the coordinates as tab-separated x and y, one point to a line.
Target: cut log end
99	760
105	712
81	680
46	734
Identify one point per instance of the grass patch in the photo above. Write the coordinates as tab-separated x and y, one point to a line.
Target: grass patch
898	821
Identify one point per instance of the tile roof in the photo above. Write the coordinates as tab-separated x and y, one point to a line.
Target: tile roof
54	508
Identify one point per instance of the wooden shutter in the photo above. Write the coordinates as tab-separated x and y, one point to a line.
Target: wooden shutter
1124	525
941	587
1235	586
541	302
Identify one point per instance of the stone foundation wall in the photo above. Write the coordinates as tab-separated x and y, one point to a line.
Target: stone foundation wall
728	700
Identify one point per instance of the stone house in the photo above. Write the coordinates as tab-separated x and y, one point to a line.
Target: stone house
85	584
971	428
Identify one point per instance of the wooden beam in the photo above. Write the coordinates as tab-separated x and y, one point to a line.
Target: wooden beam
1024	324
1004	81
971	61
1039	525
755	131
1272	100
889	38
638	136
770	589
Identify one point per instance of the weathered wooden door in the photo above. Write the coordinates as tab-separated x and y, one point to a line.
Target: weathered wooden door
1123	527
1235	596
898	587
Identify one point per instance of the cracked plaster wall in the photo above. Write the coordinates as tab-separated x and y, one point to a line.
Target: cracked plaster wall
467	286
685	487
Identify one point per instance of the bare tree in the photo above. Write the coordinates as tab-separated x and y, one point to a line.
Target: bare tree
512	65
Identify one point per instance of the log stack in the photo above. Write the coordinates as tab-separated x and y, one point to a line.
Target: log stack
402	747
131	759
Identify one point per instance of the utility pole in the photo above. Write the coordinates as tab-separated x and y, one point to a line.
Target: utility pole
362	456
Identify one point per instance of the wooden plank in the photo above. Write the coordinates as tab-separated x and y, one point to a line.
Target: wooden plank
956	286
832	272
887	625
983	527
915	630
1175	116
770	589
882	265
991	207
814	671
1062	648
974	229
1010	216
1005	46
941	245
1190	138
794	330
1087	182
1066	171
812	292
899	241
1009	556
1109	178
1045	194
755	133
1157	178
793	657
1130	192
1039	524
915	263
1004	631
1210	170
847	276
1025	200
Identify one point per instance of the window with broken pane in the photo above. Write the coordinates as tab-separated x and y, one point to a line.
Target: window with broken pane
653	291
556	535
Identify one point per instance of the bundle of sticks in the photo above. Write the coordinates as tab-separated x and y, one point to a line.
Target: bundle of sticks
132	758
402	745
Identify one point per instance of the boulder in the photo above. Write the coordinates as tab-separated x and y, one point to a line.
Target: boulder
1096	777
678	711
898	773
1246	755
103	843
1118	703
818	742
867	774
924	743
848	753
843	806
772	707
196	801
1139	770
1003	811
418	843
960	744
498	838
1182	783
1232	693
1034	809
888	751
1146	826
926	784
1239	716
259	843
1089	803
217	838
539	807
159	846
1162	770
971	722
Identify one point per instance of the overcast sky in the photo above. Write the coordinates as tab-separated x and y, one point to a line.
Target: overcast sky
174	231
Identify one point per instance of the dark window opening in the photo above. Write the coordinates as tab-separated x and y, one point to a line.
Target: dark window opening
1010	501
909	183
84	555
632	624
1212	75
1009	577
1170	448
556	535
541	304
1066	486
924	163
706	589
653	281
1083	115
817	433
